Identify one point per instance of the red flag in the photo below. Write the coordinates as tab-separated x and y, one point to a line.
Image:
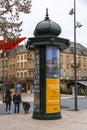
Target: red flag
11	44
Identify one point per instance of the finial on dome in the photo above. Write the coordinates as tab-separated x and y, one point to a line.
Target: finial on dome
47	17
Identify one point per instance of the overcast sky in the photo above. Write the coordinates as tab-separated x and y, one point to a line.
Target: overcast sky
58	12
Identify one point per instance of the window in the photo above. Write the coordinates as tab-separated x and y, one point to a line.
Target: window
25	65
84	62
84	73
21	65
13	67
18	65
79	74
67	73
21	57
21	75
25	56
61	73
10	67
17	75
67	59
25	75
18	57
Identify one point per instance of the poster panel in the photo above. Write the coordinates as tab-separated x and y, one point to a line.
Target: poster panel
36	100
36	82
52	62
52	95
52	80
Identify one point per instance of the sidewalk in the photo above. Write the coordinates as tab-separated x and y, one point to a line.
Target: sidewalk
71	120
65	96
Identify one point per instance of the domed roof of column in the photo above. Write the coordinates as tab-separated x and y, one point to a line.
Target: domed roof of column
47	27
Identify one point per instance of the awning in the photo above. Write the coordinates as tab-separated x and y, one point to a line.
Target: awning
11	44
84	83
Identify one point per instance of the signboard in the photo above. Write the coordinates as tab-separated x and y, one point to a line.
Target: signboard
52	95
19	87
52	80
36	82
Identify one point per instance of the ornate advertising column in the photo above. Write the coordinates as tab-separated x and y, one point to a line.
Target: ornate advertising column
47	47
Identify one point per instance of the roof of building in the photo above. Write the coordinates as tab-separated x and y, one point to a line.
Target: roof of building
80	49
21	49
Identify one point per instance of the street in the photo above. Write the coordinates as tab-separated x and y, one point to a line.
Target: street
67	103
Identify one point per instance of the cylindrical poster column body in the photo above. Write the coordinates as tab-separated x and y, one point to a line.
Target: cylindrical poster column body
47	83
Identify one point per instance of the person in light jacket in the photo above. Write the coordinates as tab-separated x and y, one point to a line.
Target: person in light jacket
17	101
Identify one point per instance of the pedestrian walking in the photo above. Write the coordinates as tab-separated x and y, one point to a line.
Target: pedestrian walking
17	101
8	100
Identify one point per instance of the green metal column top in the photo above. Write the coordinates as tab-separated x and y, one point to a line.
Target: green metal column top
46	33
47	27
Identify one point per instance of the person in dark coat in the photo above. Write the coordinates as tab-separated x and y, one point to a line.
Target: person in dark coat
8	100
16	101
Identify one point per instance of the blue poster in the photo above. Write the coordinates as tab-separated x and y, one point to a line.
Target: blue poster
52	62
19	87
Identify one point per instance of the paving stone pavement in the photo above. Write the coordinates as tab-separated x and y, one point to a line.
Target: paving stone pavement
71	120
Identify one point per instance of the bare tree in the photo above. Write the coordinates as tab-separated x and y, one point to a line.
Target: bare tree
10	24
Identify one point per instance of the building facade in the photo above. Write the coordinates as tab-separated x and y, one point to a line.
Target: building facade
67	64
19	66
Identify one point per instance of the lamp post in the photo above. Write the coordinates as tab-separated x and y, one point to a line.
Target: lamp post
3	74
76	24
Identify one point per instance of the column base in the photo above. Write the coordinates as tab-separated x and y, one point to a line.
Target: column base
46	116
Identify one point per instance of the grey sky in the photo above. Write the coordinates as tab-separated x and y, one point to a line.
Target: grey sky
59	12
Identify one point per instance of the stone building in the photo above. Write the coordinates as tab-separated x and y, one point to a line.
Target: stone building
67	64
19	66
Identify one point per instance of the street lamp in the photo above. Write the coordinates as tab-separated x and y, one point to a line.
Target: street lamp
76	24
3	74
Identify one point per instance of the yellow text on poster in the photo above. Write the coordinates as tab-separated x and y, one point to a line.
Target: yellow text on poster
52	95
